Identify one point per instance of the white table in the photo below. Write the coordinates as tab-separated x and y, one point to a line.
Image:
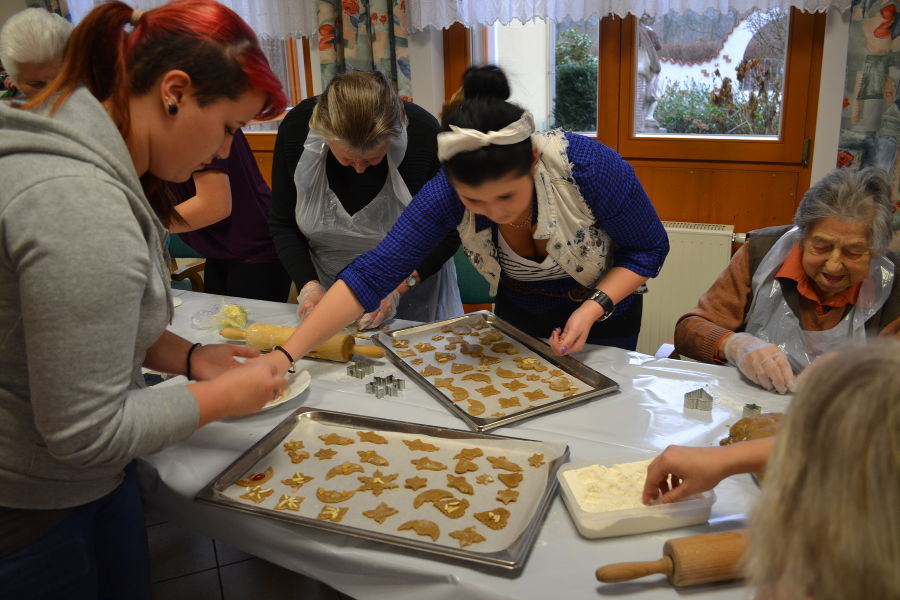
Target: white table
646	415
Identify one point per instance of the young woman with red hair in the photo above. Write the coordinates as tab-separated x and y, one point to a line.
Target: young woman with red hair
84	286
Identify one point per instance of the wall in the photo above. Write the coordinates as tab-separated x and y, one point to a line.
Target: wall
10	7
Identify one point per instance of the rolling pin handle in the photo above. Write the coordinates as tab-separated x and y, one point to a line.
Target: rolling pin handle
627	571
233	333
370	351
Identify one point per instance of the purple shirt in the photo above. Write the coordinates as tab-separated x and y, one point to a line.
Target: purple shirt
244	235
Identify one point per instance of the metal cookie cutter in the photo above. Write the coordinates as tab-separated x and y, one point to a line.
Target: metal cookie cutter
385	386
360	369
751	409
698	400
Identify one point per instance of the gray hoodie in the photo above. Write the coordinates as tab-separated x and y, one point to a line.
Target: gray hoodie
84	292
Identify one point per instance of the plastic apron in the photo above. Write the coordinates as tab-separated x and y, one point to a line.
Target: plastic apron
772	320
336	238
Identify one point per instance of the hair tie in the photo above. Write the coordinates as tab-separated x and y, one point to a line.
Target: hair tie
459	139
136	15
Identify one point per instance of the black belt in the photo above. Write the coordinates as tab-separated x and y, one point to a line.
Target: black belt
576	294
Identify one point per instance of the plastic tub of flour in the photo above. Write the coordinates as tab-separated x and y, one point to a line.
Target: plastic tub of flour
604	499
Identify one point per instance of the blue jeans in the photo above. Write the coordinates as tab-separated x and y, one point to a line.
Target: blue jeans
99	551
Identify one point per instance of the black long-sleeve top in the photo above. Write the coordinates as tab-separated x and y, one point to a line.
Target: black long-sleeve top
354	190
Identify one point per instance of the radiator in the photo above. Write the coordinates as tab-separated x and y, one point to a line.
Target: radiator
698	253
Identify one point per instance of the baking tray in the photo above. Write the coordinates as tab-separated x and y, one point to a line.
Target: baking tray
590	384
504	551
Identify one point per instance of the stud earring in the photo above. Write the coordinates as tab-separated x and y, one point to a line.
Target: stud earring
173	109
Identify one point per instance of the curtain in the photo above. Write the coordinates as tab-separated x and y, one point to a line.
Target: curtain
279	19
870	122
443	13
365	35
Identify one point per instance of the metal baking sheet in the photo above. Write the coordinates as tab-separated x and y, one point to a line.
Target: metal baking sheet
589	383
504	550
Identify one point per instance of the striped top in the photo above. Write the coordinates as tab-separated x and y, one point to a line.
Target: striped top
525	269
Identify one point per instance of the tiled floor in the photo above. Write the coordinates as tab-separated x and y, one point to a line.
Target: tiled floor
188	566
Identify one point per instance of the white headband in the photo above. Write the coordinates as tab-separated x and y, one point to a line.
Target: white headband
450	143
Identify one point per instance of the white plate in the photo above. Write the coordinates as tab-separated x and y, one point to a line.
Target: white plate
296	383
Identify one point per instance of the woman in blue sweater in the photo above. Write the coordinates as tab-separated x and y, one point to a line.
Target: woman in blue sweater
556	222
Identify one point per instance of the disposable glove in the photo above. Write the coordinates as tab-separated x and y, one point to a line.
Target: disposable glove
307	298
386	311
762	362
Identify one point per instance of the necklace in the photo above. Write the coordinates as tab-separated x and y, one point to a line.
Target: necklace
523	222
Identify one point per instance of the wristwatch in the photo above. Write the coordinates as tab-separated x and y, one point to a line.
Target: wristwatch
411	281
605	301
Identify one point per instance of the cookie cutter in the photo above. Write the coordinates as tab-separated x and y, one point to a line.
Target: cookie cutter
751	409
698	400
385	386
360	369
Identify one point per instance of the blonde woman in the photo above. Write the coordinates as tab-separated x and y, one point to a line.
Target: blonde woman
346	164
827	525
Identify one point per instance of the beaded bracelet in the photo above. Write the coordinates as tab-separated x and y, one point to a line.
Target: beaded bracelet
289	357
187	369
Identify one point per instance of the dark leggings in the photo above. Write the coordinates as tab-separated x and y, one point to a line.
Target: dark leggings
99	551
621	330
261	281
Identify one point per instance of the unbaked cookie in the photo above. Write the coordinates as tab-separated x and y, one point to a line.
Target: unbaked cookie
297	481
415	483
256	479
453	508
443	357
475	407
484	479
501	462
489	337
464	466
339	440
371	437
298	456
514	385
424	347
377	483
400	343
431	496
332	513
469	453
422	527
497	518
536	460
471	349
325	453
458	368
477	377
506	496
504	348
287	502
509	373
333	496
344	468
487	390
446	382
381	512
511	480
430	371
406	353
418	445
258	494
509	402
460	483
535	395
426	464
467	536
372	457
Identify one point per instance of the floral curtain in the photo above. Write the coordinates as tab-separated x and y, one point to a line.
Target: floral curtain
365	35
443	13
870	122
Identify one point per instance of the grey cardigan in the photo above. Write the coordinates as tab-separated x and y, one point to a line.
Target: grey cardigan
84	292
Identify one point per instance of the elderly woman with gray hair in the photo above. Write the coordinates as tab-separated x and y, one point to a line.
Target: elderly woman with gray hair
32	46
792	293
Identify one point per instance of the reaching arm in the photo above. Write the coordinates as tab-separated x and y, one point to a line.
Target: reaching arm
211	204
681	471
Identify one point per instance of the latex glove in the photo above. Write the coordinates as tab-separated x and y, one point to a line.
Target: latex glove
307	298
762	362
386	311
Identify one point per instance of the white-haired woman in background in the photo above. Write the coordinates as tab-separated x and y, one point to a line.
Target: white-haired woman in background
790	294
32	46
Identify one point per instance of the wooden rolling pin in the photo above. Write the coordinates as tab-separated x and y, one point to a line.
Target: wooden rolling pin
340	347
689	560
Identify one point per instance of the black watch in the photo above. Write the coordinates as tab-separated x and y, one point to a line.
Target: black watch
605	301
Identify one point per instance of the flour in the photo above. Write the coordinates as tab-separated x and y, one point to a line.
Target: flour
598	489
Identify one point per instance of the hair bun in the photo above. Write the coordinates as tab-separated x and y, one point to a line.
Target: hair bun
485	81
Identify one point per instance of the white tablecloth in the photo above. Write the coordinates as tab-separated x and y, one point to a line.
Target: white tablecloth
646	415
